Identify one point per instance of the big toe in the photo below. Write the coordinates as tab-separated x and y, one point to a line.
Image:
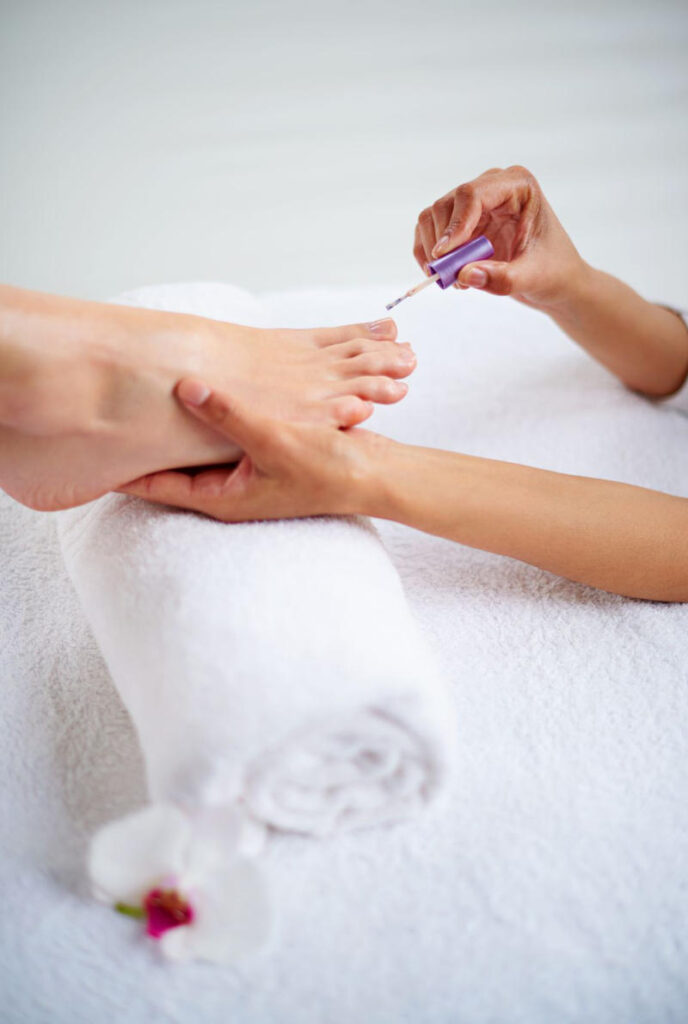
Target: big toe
378	330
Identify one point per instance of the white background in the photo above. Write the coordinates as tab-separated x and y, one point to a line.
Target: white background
292	145
278	144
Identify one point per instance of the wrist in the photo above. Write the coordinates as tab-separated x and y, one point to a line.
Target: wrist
385	469
572	294
365	489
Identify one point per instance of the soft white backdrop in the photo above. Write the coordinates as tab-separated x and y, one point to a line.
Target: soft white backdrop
279	144
291	145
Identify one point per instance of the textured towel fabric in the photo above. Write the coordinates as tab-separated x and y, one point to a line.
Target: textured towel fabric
276	663
553	889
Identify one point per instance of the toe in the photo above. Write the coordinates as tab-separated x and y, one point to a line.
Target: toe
378	389
378	330
390	360
349	410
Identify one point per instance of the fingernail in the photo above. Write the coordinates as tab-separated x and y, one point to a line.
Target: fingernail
407	355
476	277
382	327
440	245
193	392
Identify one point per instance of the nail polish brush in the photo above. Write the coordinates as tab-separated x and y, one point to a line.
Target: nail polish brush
445	269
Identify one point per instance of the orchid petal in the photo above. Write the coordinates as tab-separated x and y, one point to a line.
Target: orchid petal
174	944
129	856
233	914
219	835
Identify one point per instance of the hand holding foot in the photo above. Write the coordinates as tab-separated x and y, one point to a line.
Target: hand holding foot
86	388
287	470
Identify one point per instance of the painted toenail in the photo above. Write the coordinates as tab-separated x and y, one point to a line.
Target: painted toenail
382	327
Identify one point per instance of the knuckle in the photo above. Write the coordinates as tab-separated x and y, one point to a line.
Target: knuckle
425	216
218	409
465	192
518	170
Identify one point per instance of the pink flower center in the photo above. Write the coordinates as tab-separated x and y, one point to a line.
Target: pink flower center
165	909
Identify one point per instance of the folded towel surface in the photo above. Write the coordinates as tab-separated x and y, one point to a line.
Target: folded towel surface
276	663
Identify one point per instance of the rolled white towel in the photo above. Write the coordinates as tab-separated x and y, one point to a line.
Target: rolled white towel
276	663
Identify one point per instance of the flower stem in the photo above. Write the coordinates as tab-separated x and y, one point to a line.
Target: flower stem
126	908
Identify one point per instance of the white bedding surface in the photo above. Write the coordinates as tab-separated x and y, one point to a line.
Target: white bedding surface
553	889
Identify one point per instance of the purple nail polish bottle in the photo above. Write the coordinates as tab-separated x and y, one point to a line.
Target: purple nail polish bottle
447	267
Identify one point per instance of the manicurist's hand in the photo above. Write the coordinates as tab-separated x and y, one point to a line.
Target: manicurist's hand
535	261
288	470
644	344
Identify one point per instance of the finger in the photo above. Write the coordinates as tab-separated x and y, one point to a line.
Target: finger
494	276
441	215
426	228
168	487
224	414
377	330
419	251
465	215
215	492
474	199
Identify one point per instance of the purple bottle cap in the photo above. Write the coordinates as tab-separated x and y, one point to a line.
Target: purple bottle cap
447	267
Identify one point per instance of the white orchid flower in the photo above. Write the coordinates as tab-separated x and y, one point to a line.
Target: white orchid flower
190	876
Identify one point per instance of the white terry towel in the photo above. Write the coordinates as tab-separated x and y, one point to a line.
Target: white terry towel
276	663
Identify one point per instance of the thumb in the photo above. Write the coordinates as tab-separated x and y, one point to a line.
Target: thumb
494	276
223	413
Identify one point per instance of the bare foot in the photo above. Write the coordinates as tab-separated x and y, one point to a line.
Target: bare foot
121	421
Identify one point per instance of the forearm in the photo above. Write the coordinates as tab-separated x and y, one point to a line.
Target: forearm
620	538
643	344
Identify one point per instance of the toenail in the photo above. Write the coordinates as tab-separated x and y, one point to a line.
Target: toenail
382	327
